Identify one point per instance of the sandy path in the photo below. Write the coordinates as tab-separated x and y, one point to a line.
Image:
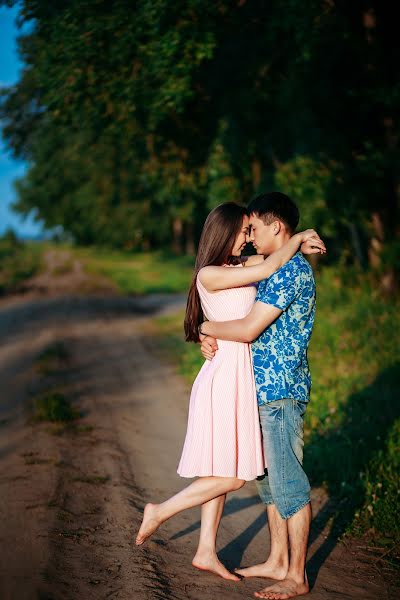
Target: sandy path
71	502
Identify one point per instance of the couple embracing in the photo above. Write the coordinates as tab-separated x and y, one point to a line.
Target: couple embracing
248	401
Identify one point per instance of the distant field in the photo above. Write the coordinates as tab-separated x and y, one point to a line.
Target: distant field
353	420
144	273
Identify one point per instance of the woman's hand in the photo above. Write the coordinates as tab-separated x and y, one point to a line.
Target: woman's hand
209	346
311	243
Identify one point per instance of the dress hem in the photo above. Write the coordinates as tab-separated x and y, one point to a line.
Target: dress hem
208	474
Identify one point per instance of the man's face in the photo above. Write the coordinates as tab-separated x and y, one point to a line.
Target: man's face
261	236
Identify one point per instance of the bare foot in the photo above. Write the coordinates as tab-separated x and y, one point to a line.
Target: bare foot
266	569
210	562
151	522
288	588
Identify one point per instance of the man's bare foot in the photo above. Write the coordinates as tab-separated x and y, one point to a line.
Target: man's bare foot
210	562
288	588
266	569
151	522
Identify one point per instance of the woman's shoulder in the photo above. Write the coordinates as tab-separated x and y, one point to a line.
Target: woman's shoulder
207	275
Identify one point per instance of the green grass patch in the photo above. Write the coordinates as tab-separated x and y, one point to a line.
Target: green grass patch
135	273
18	261
352	425
53	406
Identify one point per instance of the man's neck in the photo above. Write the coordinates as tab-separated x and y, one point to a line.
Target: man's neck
280	241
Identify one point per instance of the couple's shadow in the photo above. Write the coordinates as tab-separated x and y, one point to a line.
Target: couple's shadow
339	454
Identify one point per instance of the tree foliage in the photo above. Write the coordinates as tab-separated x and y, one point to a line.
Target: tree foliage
136	118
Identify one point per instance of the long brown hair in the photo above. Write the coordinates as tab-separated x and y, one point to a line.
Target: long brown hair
216	242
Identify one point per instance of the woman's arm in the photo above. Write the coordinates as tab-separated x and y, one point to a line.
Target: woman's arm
254	259
221	278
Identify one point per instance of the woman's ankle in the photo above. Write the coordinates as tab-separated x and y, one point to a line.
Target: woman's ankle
206	550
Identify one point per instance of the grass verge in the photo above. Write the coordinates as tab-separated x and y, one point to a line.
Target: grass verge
18	261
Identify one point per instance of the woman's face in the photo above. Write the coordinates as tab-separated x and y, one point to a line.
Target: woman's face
241	238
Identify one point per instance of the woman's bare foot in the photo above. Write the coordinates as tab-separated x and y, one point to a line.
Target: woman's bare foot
288	588
210	562
266	569
151	522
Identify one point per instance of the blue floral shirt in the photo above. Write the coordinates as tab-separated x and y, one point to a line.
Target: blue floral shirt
280	352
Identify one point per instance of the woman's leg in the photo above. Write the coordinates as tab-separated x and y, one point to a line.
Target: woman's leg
206	557
200	491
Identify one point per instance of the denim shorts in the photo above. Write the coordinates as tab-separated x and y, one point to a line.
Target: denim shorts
285	483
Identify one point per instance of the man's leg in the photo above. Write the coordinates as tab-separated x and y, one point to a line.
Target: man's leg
277	564
283	432
206	558
295	583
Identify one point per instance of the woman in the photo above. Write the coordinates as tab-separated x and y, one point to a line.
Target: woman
223	445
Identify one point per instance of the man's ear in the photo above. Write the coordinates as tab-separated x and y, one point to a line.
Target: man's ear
276	227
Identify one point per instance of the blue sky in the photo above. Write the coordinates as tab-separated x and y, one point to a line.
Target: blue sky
11	169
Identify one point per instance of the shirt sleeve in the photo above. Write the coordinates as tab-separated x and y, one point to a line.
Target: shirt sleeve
280	289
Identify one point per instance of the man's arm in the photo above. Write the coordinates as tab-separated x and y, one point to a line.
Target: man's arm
243	330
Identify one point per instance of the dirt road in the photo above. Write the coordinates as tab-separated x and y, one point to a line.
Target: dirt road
71	499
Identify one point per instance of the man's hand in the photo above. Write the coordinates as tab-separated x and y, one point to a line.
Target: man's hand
209	346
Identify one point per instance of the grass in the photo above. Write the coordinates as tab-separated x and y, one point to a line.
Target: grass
132	273
352	426
18	262
53	406
144	273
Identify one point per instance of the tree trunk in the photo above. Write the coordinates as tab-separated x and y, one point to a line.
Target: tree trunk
388	280
190	245
356	242
177	230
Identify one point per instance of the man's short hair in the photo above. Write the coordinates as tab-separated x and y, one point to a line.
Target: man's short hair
275	206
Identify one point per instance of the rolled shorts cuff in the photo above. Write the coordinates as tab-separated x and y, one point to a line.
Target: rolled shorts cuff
289	513
267	502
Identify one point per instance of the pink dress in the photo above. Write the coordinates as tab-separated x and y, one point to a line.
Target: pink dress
223	435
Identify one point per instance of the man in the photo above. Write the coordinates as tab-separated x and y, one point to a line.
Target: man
279	327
